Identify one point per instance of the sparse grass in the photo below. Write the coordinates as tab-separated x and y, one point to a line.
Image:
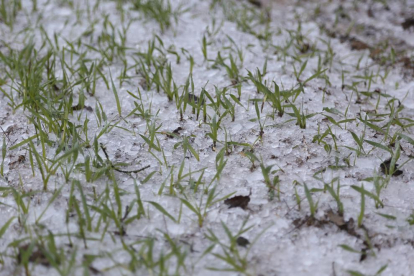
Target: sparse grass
8	11
136	141
158	10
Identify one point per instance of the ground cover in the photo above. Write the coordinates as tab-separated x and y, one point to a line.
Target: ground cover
206	137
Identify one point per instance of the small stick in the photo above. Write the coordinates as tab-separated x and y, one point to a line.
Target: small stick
119	170
135	171
5	134
104	150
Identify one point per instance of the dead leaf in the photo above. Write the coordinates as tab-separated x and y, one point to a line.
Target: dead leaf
20	160
375	53
143	84
79	107
238	201
10	129
385	168
94	270
256	3
358	45
175	133
408	23
407	62
335	218
241	241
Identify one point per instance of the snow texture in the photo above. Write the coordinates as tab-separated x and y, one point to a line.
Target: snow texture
289	241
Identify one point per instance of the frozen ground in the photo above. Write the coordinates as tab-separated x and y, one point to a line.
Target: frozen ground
93	91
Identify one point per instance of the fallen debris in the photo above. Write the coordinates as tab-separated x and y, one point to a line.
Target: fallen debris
243	242
238	201
386	168
408	23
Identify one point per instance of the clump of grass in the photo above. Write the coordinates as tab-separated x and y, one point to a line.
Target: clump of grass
410	219
248	18
276	98
158	10
313	206
232	69
214	128
230	253
8	11
187	147
300	115
201	209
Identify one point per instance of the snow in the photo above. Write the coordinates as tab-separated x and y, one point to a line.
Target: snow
282	248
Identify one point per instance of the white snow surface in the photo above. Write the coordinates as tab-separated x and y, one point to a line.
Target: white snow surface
282	247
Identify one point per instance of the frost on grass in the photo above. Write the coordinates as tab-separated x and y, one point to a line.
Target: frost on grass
130	130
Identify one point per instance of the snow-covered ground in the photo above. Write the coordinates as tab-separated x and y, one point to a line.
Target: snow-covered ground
94	90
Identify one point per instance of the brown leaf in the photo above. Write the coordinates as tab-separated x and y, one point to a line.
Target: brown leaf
335	218
122	232
358	45
21	159
94	270
409	22
375	53
79	107
364	250
241	241
14	164
238	201
10	129
256	3
408	63
385	168
175	133
143	83
363	255
349	227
